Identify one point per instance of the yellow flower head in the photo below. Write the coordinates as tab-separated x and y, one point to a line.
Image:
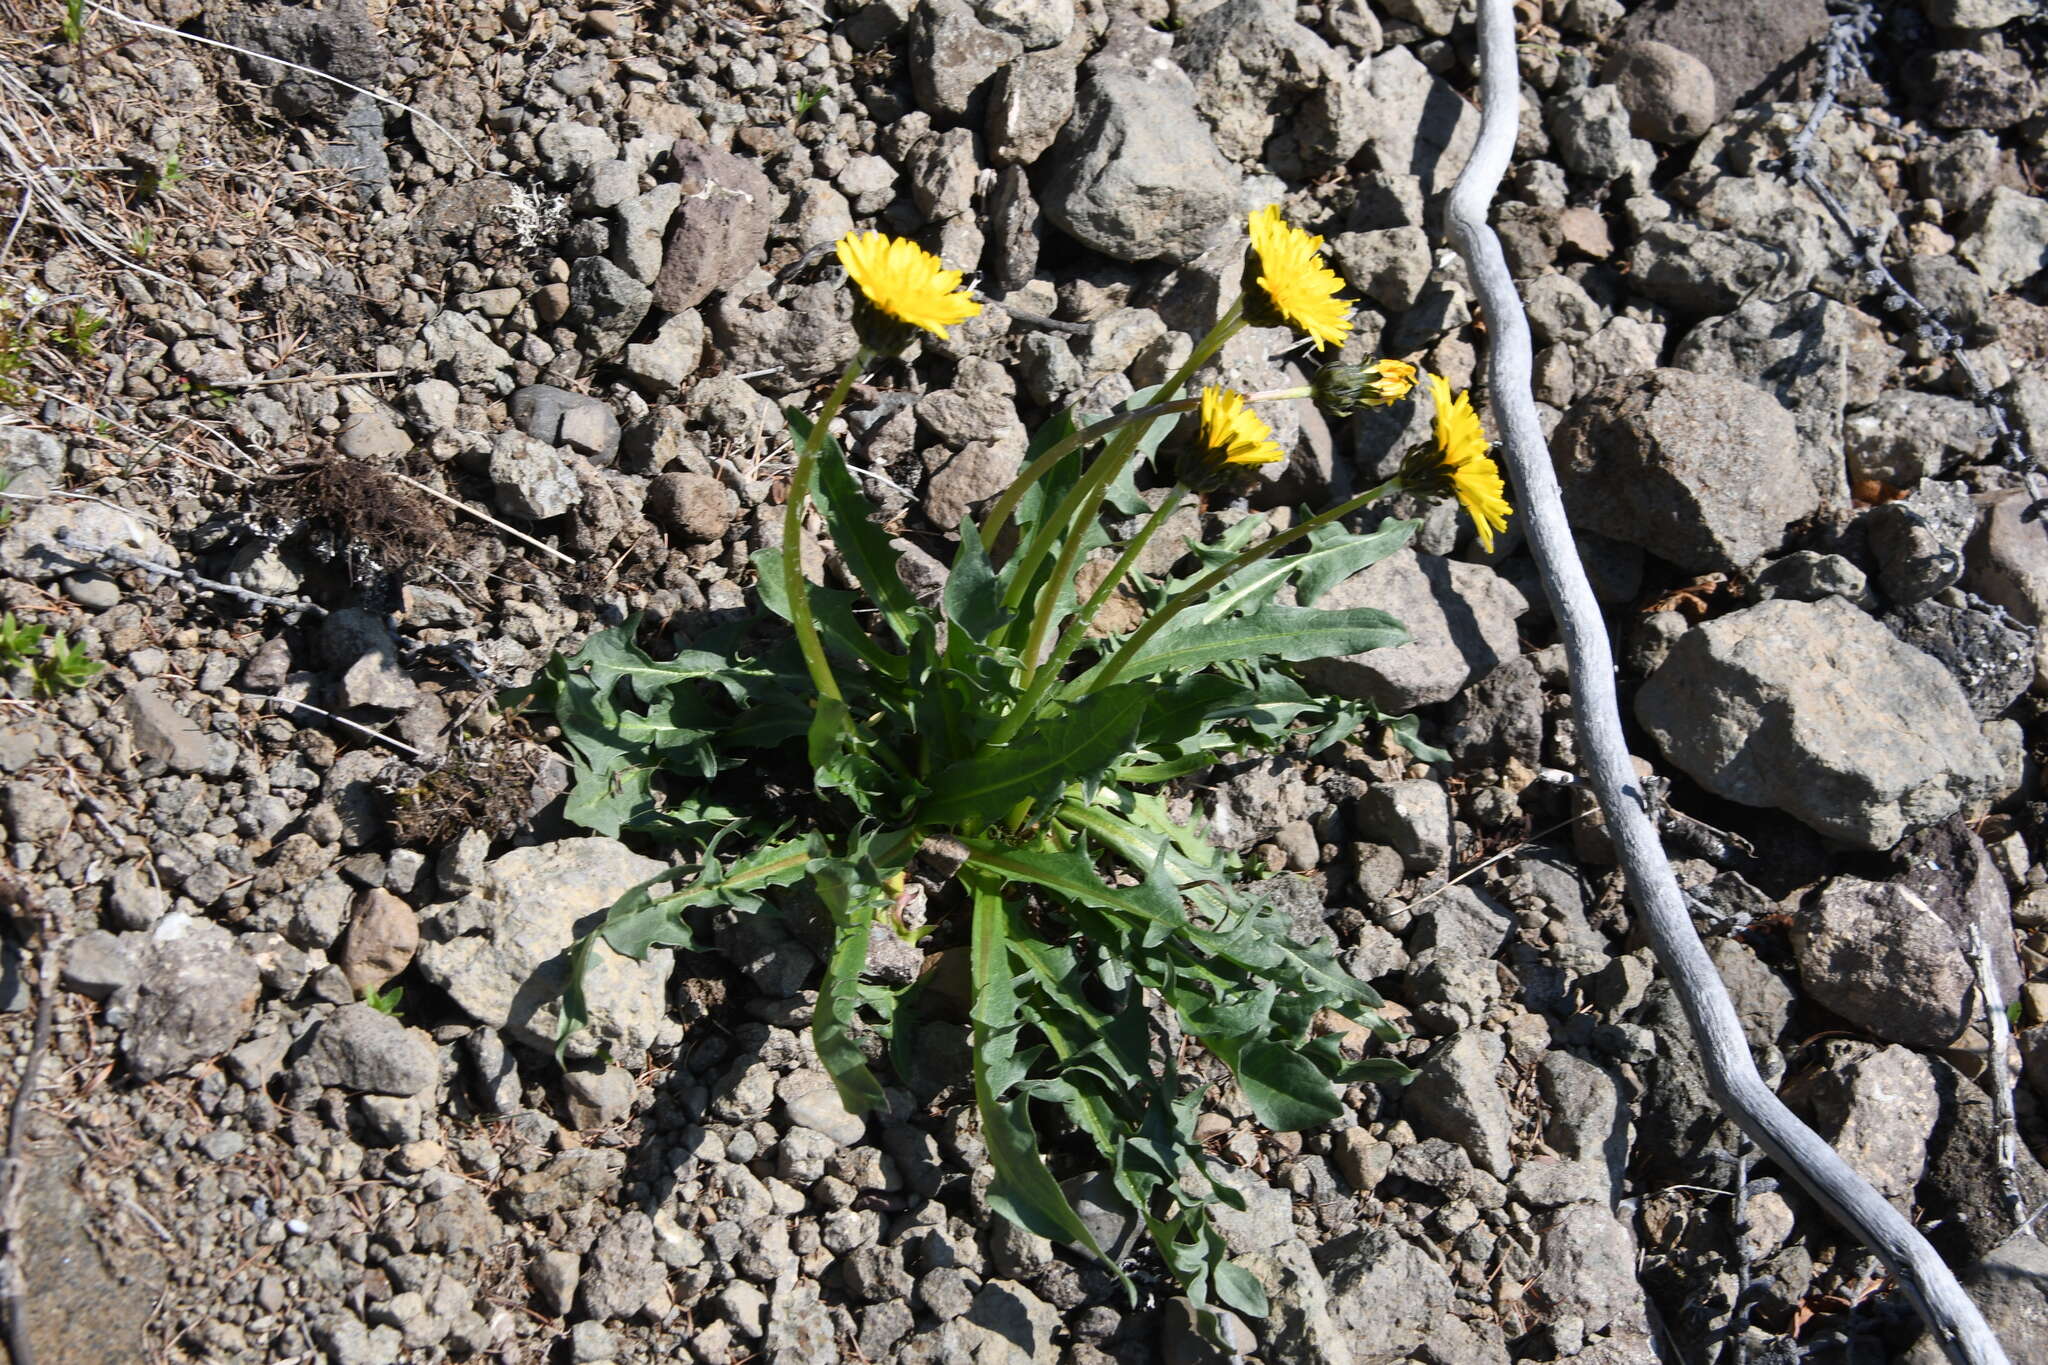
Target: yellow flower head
1232	434
905	284
1464	469
1287	284
1391	380
1340	390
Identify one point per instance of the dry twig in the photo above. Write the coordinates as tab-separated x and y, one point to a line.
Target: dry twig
1731	1073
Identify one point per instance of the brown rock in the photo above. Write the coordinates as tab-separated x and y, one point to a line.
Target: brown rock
382	937
720	229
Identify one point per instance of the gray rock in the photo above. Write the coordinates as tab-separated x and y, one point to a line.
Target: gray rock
1035	23
383	935
1385	1292
473	359
1988	85
1461	921
1415	124
1499	717
1960	170
952	57
1586	1269
1879	955
1589	127
1751	46
1907	436
161	732
1669	94
1299	1328
720	228
560	417
697	507
1976	14
1918	542
1030	100
372	434
1106	1214
1991	657
1461	624
621	1275
1457	1097
1877	1107
501	951
802	337
979	472
1817	710
1136	174
1258	72
640	228
1808	576
97	963
533	480
1797	350
822	1111
35	814
942	173
2007	564
1701	272
193	998
1266	1220
1587	1120
606	305
1699	470
1012	1312
1413	818
366	1050
1390	266
568	149
2010	1286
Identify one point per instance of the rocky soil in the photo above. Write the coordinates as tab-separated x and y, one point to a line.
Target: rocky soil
443	382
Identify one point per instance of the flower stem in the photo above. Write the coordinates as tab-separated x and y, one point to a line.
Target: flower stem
793	585
1048	673
1200	588
1077	510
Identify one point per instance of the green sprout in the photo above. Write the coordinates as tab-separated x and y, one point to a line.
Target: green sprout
805	101
6	520
65	668
73	26
18	643
160	180
79	332
142	242
385	1001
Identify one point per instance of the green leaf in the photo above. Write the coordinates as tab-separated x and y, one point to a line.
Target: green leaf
1072	875
1240	1289
611	655
1024	1191
1078	745
1289	633
973	598
852	904
1407	729
1287	1092
1335	555
831	612
862	544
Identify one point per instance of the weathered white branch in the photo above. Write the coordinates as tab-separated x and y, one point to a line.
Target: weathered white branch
1731	1073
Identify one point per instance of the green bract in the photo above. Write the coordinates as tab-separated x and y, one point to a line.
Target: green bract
980	768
